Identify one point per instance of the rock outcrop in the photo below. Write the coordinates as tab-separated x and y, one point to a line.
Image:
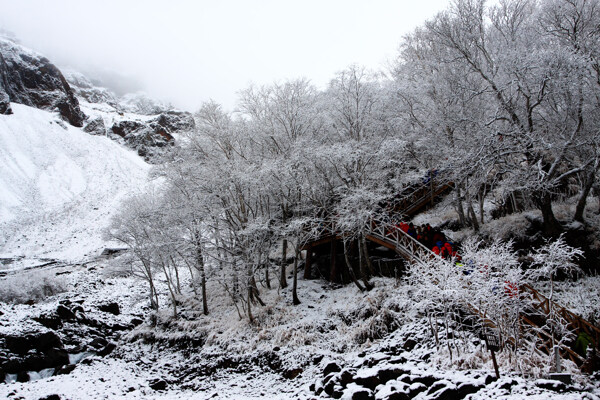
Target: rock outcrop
146	136
86	90
69	337
31	79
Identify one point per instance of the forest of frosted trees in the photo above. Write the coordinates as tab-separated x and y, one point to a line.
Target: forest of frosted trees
503	100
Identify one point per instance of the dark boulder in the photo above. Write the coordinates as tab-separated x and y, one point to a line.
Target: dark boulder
23	376
176	121
98	343
550	384
158	384
34	341
415	389
50	321
51	397
426	380
467	388
409	345
329	386
65	313
95	126
362	394
127	128
30	79
54	358
447	393
388	373
107	349
4	103
331	367
66	369
112	308
292	373
367	380
145	137
346	376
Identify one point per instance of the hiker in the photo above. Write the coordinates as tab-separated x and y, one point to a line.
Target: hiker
448	247
444	252
411	231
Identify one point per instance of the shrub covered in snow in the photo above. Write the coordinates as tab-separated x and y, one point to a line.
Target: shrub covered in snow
30	287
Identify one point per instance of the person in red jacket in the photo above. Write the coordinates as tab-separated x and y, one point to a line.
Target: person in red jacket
449	248
404	227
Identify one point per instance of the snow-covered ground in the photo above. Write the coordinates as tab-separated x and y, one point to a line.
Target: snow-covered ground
280	356
59	186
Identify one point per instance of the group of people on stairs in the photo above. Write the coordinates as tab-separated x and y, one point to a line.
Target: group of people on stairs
433	239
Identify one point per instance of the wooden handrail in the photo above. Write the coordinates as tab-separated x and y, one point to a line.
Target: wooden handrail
574	321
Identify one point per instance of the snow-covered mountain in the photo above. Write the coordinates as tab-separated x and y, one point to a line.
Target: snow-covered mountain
65	154
60	185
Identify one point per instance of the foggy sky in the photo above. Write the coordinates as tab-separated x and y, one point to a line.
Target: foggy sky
187	52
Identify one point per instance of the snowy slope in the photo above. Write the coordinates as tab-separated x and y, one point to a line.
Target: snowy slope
59	186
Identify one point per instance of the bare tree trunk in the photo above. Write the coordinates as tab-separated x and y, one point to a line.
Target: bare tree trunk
267	277
295	298
473	216
171	291
366	255
459	207
481	200
153	296
587	186
364	261
150	278
255	292
201	269
551	225
350	270
249	301
282	278
178	287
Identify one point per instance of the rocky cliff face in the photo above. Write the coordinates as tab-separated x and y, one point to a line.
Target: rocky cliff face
31	79
136	120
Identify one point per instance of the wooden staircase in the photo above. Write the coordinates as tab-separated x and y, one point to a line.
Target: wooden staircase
542	307
388	235
410	204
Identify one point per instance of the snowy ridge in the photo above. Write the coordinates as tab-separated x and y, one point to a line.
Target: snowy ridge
60	185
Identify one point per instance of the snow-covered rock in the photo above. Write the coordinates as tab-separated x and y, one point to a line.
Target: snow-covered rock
31	79
87	91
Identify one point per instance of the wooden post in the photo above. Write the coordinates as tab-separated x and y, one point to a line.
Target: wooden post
495	364
332	254
492	341
308	262
557	359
